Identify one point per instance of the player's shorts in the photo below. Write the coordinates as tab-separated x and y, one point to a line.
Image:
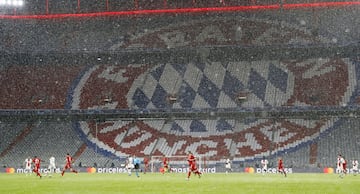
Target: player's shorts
67	166
51	166
130	166
36	169
28	169
137	166
193	168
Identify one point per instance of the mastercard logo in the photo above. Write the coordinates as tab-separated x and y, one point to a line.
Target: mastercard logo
91	170
328	170
10	170
249	170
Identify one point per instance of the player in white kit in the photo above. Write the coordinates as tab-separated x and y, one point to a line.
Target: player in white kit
338	165
355	168
228	165
264	164
28	162
130	164
52	166
342	165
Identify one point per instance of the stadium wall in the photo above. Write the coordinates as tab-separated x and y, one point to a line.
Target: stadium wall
58	64
115	34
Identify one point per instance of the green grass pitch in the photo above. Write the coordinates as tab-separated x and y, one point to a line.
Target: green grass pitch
176	183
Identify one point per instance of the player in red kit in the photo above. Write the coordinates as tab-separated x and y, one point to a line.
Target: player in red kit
192	165
165	165
344	165
146	164
69	160
281	167
37	162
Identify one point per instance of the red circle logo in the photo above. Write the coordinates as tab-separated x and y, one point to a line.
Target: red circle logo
310	82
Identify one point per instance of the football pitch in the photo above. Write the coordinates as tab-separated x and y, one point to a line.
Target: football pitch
176	183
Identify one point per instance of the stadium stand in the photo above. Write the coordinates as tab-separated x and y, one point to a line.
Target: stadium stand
342	140
46	139
164	65
214	138
90	158
36	87
9	131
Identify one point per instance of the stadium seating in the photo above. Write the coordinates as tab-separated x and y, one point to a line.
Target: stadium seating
9	131
242	139
37	142
209	81
45	139
36	87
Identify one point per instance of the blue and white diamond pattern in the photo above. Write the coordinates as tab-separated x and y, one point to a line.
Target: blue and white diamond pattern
170	80
268	83
202	128
214	85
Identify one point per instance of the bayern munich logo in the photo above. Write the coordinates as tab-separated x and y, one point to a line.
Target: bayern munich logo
310	82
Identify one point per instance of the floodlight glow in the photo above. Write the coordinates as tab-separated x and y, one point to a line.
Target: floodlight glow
12	3
18	3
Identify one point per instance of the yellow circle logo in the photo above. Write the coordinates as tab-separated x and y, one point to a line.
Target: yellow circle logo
91	170
10	170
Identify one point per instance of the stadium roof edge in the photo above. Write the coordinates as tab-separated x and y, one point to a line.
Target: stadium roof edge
8	115
181	55
186	10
